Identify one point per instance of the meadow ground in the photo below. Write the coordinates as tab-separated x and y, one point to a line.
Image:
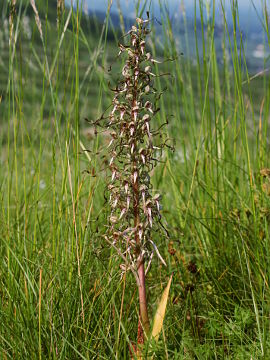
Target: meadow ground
63	294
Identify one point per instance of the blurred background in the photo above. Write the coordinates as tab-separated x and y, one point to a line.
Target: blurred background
62	290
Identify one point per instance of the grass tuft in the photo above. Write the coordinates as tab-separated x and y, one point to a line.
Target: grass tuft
61	291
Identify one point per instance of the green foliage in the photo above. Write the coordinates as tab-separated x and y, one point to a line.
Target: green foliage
61	290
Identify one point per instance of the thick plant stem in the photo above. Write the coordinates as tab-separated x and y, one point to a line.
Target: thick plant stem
144	320
141	273
142	299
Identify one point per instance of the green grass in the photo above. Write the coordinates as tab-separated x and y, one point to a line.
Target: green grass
62	294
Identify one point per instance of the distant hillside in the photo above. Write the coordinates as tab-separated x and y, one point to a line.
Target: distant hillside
29	56
252	35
